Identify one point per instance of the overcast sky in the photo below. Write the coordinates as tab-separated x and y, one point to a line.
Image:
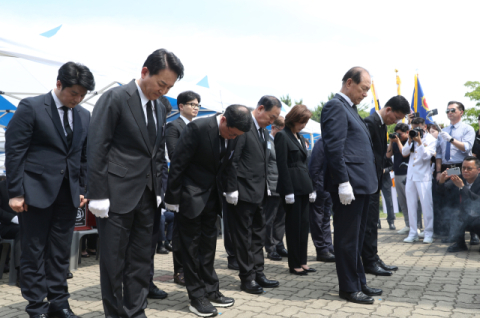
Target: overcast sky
253	48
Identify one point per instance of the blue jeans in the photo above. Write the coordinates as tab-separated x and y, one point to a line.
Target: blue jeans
167	218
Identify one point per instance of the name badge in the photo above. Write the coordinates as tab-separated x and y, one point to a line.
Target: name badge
231	154
269	145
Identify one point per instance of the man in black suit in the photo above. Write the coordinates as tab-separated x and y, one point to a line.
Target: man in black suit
245	192
126	153
189	104
9	227
351	179
395	110
195	184
45	151
320	210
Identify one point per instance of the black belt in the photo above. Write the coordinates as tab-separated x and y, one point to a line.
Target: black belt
450	166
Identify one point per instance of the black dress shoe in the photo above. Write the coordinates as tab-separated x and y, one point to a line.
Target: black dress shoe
387	267
299	273
161	249
266	283
251	287
168	246
448	240
282	252
310	270
391	226
179	278
379	224
326	257
474	239
64	313
274	256
356	297
202	307
40	316
455	247
233	264
155	293
218	300
369	291
375	269
69	275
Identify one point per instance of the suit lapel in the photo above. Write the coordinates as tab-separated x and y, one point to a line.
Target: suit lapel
52	111
213	135
137	112
160	126
77	128
295	141
254	131
356	116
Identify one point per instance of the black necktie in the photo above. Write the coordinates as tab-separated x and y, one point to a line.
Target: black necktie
66	125
152	132
261	136
355	108
223	149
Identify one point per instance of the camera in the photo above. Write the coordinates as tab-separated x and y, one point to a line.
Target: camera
394	135
415	132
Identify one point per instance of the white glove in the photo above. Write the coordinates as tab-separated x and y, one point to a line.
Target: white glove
345	192
163	211
172	207
446	136
99	208
312	196
290	198
269	193
14	220
232	197
159	200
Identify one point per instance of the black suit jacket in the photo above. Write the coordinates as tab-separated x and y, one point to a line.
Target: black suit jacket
292	166
172	134
348	148
120	157
196	168
318	166
469	204
378	134
36	152
6	212
248	172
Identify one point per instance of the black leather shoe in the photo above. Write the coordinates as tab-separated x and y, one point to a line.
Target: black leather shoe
326	257
356	297
375	269
379	224
179	279
299	273
387	267
161	249
155	293
69	275
232	264
266	283
202	307
474	239
64	313
168	246
369	291
251	287
41	316
218	300
274	256
455	247
448	240
309	270
391	226
282	252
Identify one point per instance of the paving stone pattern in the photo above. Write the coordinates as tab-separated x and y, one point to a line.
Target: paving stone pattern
429	283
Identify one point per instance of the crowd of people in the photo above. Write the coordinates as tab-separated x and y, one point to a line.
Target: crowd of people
264	185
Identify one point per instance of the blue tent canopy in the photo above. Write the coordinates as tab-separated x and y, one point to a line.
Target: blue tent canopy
5	115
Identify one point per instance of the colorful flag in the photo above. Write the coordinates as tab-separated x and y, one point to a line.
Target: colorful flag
375	100
398	83
419	103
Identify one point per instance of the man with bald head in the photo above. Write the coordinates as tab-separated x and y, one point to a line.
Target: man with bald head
350	178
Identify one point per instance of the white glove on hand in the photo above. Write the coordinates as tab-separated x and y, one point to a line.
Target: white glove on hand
269	193
172	207
345	192
290	198
99	208
14	220
312	196
159	200
446	136
163	211
232	197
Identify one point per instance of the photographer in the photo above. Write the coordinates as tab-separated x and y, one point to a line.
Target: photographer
395	149
420	147
463	192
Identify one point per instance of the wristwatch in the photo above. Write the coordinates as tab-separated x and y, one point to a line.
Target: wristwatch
451	140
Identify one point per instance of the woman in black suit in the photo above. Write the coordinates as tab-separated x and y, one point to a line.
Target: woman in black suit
295	186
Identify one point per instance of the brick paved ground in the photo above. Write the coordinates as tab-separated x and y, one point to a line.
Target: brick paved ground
429	283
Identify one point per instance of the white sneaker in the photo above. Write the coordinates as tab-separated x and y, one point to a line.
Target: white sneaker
411	239
421	234
428	240
405	230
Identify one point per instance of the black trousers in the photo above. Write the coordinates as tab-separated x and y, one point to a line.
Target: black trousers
370	242
125	263
274	223
153	247
296	230
350	224
46	239
11	231
198	238
248	237
320	212
227	232
176	248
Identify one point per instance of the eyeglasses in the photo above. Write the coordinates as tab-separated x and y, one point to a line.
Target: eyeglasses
451	110
467	168
194	105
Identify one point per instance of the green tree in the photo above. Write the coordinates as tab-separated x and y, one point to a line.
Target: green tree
317	112
299	102
286	99
471	114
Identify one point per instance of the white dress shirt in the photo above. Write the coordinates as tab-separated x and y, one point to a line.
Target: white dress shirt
381	119
419	162
346	98
185	120
144	101
59	105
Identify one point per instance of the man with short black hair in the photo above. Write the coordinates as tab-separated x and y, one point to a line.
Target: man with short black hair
46	166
